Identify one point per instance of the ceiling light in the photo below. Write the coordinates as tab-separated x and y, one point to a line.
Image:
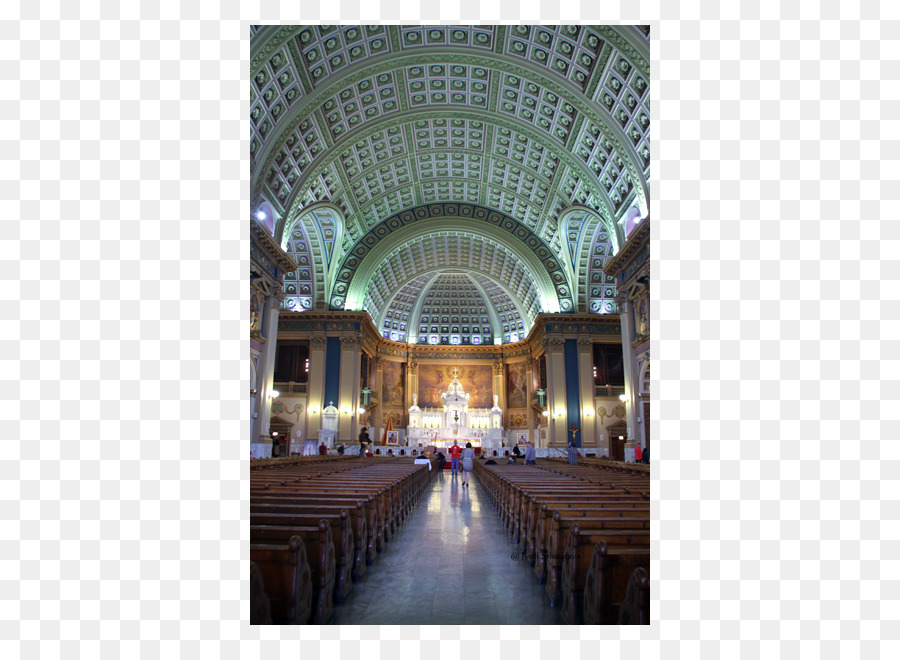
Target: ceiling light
261	215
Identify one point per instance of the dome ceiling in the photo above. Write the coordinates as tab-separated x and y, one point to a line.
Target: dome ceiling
528	121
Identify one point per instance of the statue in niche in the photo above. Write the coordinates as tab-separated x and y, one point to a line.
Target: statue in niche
642	323
255	315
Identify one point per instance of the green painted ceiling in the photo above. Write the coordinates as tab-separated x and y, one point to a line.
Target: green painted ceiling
503	155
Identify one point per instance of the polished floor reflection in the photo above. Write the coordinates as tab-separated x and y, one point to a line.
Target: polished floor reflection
451	563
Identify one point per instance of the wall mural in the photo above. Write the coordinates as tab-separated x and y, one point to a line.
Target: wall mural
475	379
515	386
392	384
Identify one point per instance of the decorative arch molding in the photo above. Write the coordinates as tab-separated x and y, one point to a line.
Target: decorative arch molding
384	259
589	261
324	244
496	324
327	163
549	272
644	378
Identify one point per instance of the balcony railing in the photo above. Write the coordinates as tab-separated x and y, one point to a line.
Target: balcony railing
291	388
609	390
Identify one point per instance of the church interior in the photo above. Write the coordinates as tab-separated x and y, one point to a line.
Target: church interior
450	246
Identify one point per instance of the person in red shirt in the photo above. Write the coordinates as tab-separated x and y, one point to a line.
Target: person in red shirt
323	449
455	451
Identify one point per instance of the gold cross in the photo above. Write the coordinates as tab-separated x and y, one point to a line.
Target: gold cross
455	372
573	431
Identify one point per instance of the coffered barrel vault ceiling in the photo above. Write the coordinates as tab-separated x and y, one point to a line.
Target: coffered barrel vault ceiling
490	165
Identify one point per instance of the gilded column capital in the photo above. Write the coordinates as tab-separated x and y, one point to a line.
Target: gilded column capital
585	345
554	344
317	342
350	342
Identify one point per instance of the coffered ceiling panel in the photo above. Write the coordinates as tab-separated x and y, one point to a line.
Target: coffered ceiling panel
528	121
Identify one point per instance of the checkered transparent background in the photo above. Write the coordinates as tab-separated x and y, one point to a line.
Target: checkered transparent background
125	174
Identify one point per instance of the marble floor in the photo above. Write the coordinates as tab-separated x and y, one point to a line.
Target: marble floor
451	563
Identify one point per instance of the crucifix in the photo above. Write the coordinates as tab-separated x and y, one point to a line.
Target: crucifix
455	373
573	431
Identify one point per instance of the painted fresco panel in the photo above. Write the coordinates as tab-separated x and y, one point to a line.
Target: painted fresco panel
434	379
515	386
392	384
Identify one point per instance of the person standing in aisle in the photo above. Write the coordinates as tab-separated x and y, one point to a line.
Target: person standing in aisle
468	463
455	451
530	455
573	453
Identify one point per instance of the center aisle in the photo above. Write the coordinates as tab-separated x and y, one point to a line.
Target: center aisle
451	563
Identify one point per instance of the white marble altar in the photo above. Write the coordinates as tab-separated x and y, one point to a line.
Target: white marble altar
455	421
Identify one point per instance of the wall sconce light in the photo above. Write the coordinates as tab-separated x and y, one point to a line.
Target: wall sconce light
274	433
274	393
314	410
588	412
360	410
623	398
546	413
560	412
345	410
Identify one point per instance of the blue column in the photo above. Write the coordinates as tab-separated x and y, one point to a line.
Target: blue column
332	371
573	395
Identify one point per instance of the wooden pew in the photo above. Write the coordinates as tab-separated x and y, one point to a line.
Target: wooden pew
539	545
284	570
628	531
382	502
540	508
634	610
361	521
611	572
342	538
260	609
320	553
613	557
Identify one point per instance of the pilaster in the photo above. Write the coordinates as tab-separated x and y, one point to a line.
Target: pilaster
631	399
498	381
378	418
315	387
348	399
556	391
529	392
588	435
267	365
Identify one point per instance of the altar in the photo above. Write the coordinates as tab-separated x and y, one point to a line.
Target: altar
455	421
446	444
